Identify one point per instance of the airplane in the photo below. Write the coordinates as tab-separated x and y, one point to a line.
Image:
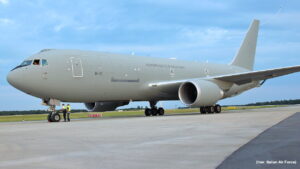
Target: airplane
104	81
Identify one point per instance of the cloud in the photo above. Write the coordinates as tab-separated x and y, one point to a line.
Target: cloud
6	60
6	21
280	20
196	5
59	27
209	36
4	2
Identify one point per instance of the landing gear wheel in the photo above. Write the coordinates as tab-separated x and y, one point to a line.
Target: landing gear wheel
161	111
147	112
154	112
209	109
202	110
48	118
54	117
217	108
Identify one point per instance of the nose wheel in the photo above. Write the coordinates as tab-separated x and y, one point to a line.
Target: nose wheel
154	111
53	117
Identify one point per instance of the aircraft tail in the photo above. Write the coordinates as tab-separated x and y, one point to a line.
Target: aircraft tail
246	54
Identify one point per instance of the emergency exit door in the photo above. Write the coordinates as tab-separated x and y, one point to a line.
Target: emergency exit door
77	70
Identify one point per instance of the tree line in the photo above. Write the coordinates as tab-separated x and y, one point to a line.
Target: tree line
277	102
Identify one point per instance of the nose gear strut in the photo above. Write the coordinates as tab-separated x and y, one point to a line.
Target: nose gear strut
53	116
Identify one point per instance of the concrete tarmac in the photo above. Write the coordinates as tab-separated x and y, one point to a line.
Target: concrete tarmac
276	147
168	142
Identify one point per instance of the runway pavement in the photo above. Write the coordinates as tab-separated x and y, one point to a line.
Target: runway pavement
168	142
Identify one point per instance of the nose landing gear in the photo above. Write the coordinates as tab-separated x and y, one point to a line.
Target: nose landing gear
53	116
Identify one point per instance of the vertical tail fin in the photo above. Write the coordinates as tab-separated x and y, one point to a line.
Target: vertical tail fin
246	55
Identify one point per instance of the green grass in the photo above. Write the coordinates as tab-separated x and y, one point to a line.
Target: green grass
31	117
34	117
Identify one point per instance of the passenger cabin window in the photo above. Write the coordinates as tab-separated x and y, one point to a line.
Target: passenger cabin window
36	62
44	62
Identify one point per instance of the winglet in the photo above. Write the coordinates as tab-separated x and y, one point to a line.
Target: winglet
246	55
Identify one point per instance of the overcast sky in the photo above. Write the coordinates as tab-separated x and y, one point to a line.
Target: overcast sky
199	30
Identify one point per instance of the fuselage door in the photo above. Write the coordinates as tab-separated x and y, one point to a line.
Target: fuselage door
77	70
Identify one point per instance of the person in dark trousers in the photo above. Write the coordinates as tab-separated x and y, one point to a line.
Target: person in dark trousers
64	110
68	108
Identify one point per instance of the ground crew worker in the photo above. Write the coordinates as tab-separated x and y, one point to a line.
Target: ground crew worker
68	108
64	110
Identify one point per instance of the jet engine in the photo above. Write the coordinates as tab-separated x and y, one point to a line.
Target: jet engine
199	93
104	106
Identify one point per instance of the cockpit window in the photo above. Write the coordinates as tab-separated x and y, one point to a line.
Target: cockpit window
44	62
36	62
26	63
23	64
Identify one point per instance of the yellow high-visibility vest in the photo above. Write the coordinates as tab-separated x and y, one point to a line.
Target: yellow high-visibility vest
68	108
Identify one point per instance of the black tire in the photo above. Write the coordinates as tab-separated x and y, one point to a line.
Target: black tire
154	112
209	109
217	108
55	117
48	118
147	112
161	111
202	110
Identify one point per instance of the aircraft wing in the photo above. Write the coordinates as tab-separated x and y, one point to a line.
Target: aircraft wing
246	77
238	78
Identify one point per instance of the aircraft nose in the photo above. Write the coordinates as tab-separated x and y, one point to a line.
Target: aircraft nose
11	79
20	80
14	78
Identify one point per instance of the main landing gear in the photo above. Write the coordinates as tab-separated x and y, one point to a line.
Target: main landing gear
154	111
211	109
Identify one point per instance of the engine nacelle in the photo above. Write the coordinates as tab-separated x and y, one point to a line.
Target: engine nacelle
104	106
200	93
